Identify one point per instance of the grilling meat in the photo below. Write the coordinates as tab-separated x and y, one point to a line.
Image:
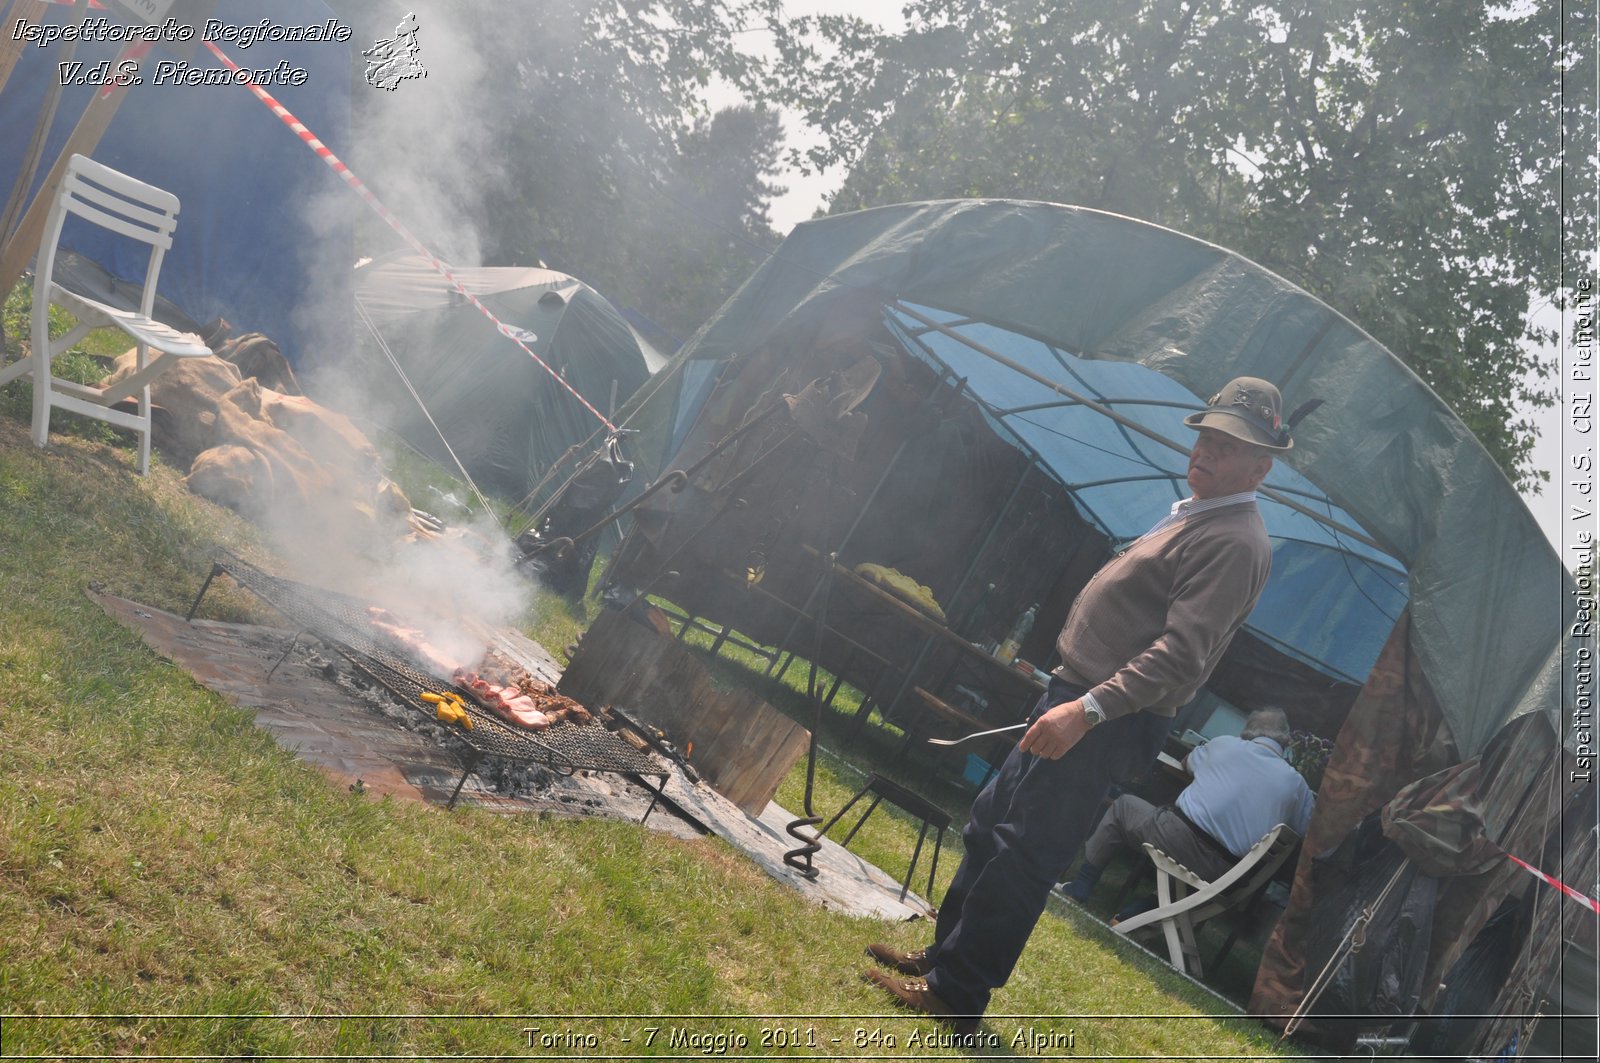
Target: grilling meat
543	695
507	702
559	706
518	697
413	640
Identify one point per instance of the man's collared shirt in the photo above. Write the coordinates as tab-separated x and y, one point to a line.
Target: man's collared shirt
1186	507
1242	788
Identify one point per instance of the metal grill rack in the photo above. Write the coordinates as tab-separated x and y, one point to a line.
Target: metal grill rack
342	621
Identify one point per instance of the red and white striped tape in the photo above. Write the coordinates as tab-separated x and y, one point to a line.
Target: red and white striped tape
140	49
338	166
1577	895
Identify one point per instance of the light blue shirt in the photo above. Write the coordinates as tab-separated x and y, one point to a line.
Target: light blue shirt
1242	789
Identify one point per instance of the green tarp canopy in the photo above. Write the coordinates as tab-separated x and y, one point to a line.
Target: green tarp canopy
505	417
1487	593
1458	733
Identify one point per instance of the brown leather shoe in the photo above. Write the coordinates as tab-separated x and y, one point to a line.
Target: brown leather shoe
915	963
914	993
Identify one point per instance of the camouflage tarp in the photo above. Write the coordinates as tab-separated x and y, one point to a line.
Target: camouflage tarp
1394	735
1454	820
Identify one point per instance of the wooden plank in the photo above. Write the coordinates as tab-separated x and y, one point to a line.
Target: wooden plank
16	252
752	751
23	13
781	758
742	746
717	747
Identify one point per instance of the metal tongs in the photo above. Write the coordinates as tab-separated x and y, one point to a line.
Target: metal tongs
976	734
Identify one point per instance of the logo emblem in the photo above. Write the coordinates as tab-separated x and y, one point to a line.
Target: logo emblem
392	61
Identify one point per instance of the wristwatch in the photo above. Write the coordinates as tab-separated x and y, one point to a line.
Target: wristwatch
1093	713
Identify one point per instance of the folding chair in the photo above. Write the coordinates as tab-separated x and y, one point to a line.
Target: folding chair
1179	910
117	202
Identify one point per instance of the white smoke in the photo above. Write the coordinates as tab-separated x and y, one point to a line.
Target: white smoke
423	150
450	586
423	147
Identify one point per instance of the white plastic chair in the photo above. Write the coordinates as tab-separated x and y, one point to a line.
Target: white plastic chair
1179	910
134	209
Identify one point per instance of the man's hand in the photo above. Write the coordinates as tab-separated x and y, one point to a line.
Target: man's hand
1058	730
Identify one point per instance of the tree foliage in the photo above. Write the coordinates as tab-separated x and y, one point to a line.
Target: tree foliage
575	133
714	227
1401	160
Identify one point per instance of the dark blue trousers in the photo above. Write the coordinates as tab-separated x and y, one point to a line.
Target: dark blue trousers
1025	827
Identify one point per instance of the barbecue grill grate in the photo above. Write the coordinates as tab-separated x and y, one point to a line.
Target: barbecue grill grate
565	747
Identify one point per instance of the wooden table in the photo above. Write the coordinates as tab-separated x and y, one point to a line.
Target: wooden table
943	708
927	624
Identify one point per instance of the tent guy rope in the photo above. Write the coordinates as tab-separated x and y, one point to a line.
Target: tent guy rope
394	363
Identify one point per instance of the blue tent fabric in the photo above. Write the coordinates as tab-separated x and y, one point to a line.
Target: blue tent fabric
248	246
1332	599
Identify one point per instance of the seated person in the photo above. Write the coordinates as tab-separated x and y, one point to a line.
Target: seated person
1242	788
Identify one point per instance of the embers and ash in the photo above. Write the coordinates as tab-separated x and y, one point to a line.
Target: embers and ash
530	783
346	626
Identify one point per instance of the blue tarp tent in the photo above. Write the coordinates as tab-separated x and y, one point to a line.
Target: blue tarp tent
1123	482
1399	505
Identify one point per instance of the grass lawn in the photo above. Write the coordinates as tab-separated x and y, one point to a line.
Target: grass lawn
173	883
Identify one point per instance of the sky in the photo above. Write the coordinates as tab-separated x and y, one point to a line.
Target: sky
806	194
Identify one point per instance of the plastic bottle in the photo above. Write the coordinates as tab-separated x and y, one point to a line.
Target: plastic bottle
1008	649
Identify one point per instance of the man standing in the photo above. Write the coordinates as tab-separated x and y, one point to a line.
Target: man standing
1140	639
1242	788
